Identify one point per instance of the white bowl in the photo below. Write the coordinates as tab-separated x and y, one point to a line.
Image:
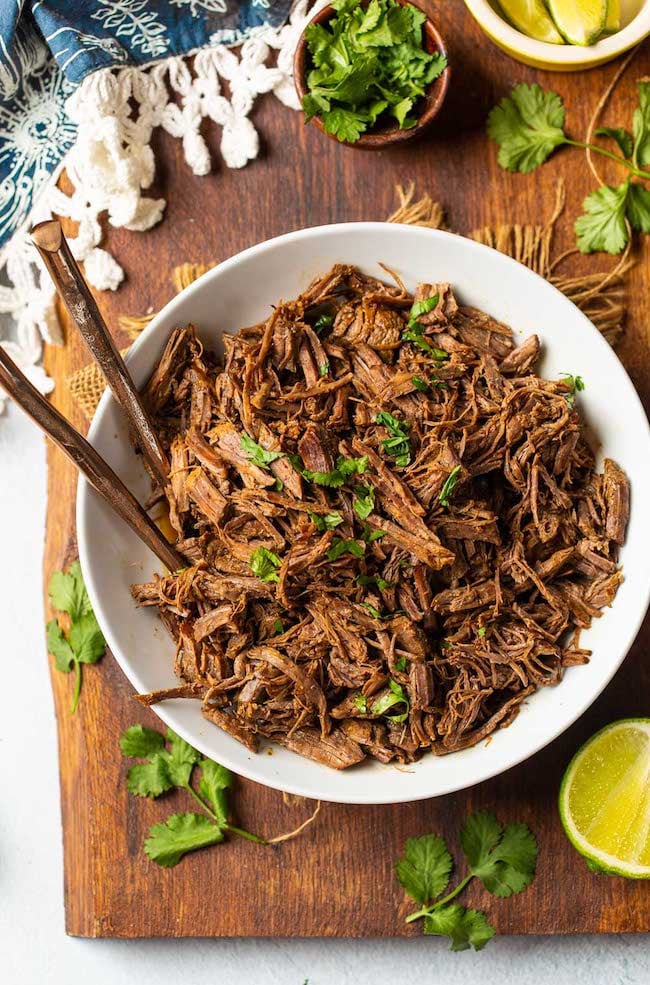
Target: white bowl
240	292
635	26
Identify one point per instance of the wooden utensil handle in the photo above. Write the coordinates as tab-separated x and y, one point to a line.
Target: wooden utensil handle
100	475
55	251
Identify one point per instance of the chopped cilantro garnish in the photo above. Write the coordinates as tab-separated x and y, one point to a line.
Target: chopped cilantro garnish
345	468
370	535
449	486
422	307
394	696
377	580
364	501
264	564
327	522
368	63
575	384
258	455
323	322
397	446
361	702
340	546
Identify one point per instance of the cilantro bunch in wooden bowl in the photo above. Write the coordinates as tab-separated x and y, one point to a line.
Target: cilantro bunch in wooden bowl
371	74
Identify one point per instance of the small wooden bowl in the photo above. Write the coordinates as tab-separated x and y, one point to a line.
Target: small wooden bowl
381	137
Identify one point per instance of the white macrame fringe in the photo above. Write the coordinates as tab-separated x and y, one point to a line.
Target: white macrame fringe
112	164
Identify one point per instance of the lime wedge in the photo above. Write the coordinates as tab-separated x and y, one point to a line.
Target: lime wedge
605	799
613	19
531	17
579	21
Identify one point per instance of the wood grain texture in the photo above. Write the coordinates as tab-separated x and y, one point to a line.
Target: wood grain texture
337	879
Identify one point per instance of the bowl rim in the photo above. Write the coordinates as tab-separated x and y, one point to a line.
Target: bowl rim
246	767
377	140
567	55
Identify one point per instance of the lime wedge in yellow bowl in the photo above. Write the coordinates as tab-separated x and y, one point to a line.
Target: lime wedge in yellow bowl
580	22
605	799
613	19
532	18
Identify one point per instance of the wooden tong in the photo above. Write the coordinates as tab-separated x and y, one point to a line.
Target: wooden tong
49	240
62	267
82	454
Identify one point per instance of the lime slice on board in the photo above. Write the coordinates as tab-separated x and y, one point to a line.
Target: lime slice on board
613	19
605	799
532	18
579	21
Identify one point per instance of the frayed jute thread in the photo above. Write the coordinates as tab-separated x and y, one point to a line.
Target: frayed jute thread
600	295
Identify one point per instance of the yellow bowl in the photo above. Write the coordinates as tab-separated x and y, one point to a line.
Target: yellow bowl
635	20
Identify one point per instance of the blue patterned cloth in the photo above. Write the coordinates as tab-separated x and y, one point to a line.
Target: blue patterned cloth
47	47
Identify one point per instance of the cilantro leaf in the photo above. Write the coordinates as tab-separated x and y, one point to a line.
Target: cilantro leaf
180	759
181	833
638	207
373	610
370	536
86	639
398	445
340	547
258	455
527	126
361	703
381	583
344	124
345	468
215	781
394	696
602	225
641	126
141	742
364	501
59	647
620	136
464	928
323	322
425	869
149	779
328	521
504	860
422	307
85	642
68	592
450	484
264	564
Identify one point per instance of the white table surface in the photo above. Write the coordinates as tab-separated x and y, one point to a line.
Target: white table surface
34	949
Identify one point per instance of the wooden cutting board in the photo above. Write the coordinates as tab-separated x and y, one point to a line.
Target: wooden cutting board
337	878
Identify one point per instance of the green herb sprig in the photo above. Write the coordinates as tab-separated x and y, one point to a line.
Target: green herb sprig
368	64
398	446
450	485
170	763
576	384
259	456
84	642
528	126
264	564
503	859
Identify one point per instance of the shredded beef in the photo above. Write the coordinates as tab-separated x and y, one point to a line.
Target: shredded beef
369	586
